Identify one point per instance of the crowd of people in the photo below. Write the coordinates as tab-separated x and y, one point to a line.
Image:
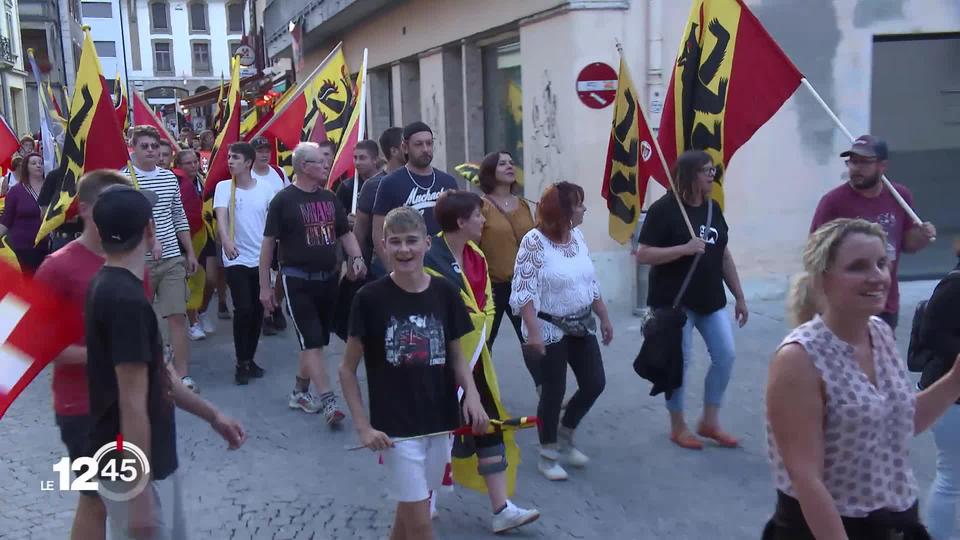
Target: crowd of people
415	274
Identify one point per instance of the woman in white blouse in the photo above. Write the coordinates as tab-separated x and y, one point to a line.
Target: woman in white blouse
556	294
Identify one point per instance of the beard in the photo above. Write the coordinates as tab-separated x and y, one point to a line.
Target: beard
862	182
422	161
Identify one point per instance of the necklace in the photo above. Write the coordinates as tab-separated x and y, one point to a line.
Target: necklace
414	180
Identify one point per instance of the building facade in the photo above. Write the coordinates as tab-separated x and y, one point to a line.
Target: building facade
502	75
12	74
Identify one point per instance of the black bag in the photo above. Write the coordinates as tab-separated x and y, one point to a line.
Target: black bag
660	359
579	324
919	355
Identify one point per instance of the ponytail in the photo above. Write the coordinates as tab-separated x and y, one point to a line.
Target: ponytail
801	300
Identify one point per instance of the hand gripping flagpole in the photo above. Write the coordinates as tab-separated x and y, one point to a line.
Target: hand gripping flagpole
886	182
663	161
519	422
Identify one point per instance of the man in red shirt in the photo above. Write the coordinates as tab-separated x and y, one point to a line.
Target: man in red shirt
865	196
68	272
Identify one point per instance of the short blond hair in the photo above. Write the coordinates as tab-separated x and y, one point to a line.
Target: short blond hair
818	255
402	220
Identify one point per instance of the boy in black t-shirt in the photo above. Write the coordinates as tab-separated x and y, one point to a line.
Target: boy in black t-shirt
132	391
407	327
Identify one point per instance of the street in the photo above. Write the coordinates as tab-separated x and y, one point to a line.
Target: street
294	480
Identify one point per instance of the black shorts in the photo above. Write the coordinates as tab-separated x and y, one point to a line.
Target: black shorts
75	434
311	304
209	250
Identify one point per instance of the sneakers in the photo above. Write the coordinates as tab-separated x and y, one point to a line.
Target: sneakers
255	371
242	375
568	452
196	333
548	464
191	384
332	412
304	401
512	516
207	323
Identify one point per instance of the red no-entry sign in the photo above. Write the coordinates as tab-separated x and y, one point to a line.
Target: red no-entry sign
597	85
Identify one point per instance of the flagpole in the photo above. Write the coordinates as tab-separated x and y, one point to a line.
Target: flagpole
886	182
362	103
300	88
663	161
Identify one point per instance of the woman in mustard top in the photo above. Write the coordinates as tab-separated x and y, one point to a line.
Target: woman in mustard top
508	219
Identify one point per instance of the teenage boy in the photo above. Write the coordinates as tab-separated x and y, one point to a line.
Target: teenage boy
241	206
406	326
68	271
265	170
132	391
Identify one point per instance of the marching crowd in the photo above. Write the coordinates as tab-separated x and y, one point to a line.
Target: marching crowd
416	277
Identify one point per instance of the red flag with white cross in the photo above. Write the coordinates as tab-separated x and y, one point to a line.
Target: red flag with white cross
35	327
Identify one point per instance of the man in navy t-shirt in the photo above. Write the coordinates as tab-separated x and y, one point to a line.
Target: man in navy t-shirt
417	184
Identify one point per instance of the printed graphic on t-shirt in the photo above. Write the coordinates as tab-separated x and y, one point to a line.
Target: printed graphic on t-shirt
318	220
888	220
421	200
415	341
709	236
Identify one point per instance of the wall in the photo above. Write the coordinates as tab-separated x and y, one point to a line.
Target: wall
110	29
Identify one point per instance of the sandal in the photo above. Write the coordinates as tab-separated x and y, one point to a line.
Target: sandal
719	436
686	440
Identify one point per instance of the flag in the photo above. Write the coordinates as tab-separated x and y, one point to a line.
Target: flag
729	78
631	160
249	122
470	172
91	116
326	96
218	108
9	144
121	106
296	33
228	135
35	327
143	116
51	133
7	255
343	161
56	106
284	158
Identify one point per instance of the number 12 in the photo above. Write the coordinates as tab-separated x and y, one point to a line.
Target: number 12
84	482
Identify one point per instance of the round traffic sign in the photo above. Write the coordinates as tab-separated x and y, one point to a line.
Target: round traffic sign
597	85
247	55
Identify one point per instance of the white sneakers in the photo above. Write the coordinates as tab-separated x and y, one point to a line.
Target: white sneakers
196	333
549	465
568	452
512	517
207	323
305	401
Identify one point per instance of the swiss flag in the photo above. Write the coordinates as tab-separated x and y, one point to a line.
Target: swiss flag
35	326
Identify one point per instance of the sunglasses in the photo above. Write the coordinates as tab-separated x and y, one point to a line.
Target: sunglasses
149	146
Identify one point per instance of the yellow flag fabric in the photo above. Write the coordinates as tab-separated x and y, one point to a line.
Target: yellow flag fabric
196	282
6	252
249	121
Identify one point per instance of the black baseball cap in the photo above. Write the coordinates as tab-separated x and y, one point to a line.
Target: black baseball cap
414	128
868	146
121	213
260	142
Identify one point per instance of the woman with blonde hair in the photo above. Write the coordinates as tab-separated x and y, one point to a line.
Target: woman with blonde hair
840	408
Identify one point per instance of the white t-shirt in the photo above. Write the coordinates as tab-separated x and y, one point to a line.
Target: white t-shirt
251	218
280	179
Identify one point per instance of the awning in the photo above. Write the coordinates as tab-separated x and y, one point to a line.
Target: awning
208	97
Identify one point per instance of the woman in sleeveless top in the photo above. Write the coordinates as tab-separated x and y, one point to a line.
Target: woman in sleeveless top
841	410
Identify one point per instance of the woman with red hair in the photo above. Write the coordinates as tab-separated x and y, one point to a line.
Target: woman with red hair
555	292
22	215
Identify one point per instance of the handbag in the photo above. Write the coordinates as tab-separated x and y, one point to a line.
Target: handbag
579	324
660	359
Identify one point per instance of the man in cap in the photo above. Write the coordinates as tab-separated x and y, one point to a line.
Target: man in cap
865	196
266	173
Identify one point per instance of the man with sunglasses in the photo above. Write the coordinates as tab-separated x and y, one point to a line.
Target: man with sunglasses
865	196
172	257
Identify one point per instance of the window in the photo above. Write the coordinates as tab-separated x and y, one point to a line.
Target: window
201	57
96	10
198	17
106	49
160	17
503	101
235	18
10	33
234	45
163	57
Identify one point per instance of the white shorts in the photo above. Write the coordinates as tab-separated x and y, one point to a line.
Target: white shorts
414	468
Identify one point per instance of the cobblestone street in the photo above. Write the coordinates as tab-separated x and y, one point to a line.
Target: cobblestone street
294	480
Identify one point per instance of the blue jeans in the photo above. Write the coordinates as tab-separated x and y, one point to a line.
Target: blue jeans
941	508
717	331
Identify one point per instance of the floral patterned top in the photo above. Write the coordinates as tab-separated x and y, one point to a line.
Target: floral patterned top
866	429
558	278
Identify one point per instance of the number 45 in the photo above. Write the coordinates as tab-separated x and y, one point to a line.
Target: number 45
85	482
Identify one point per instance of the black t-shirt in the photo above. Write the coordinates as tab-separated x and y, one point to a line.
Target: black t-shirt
404	188
122	328
664	227
307	224
345	194
407	339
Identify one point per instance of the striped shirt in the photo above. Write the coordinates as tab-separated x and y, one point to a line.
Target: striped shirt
168	215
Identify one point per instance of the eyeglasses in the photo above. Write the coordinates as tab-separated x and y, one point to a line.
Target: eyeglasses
859	162
710	171
149	146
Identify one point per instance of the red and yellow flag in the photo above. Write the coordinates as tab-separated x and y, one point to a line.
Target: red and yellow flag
92	114
122	108
729	78
631	160
143	116
326	96
343	161
230	134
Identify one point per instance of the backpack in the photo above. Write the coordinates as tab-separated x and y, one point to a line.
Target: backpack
918	353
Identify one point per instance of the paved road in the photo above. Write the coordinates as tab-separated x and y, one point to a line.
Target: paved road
293	480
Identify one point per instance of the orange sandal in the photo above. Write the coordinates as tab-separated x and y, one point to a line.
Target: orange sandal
722	439
686	440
